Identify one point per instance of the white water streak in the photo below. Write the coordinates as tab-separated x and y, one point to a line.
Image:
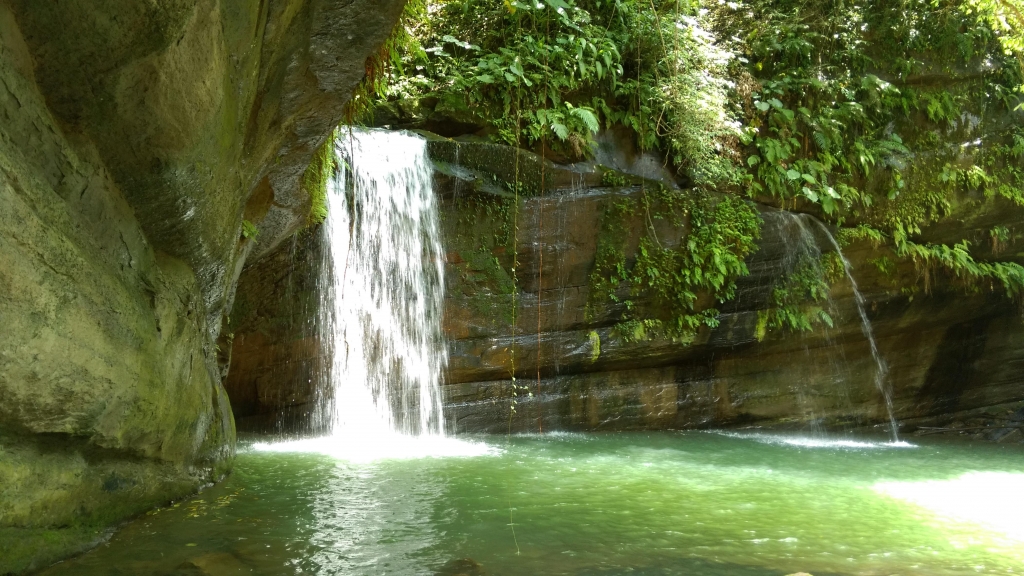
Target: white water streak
881	367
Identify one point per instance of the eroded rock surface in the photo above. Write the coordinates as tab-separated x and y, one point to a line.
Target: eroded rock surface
136	136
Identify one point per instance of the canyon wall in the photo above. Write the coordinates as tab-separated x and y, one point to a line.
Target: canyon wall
950	356
136	138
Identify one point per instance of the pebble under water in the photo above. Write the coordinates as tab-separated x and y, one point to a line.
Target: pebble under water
698	503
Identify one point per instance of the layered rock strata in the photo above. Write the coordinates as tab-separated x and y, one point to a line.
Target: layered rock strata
948	355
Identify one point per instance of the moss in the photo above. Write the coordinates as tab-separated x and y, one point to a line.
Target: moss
31	548
317	177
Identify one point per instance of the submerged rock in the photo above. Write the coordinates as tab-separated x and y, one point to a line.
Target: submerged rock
462	567
216	564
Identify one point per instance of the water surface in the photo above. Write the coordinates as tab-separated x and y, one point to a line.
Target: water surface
640	504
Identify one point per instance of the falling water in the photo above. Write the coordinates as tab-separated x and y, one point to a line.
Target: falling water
801	249
881	368
386	296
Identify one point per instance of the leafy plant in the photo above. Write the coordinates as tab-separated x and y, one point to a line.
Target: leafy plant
672	289
551	73
249	230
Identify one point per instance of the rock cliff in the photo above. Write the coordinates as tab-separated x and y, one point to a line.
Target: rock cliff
947	353
949	356
136	137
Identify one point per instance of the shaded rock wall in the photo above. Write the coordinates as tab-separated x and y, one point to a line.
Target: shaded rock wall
135	139
277	368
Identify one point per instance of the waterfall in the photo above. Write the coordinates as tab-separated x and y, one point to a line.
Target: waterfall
881	368
802	248
385	277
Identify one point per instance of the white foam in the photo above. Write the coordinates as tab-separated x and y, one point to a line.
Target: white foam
382	447
805	442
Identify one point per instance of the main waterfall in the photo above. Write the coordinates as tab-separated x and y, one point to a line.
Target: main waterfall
381	305
384	272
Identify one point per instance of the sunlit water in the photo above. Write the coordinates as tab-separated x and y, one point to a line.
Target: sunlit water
648	504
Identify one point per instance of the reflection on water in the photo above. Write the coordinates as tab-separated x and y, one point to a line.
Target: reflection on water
384	446
596	505
817	441
361	514
994	501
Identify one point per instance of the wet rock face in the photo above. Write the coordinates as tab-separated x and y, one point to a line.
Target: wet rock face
136	137
945	352
204	109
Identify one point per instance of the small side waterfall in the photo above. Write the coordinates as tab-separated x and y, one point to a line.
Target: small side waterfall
802	252
800	233
382	318
881	368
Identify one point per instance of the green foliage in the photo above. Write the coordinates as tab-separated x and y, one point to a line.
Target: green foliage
615	179
249	230
556	71
838	119
316	179
969	273
386	63
830	106
672	288
798	301
1000	235
824	125
1006	18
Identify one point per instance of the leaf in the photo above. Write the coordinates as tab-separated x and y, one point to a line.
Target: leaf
762	106
453	40
588	117
753	161
793	174
828	205
560	130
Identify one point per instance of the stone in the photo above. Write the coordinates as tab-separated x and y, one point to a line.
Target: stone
135	139
276	363
218	564
462	567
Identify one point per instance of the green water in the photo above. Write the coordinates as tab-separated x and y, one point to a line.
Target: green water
589	505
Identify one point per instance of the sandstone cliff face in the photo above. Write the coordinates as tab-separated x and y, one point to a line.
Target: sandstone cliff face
135	139
949	356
